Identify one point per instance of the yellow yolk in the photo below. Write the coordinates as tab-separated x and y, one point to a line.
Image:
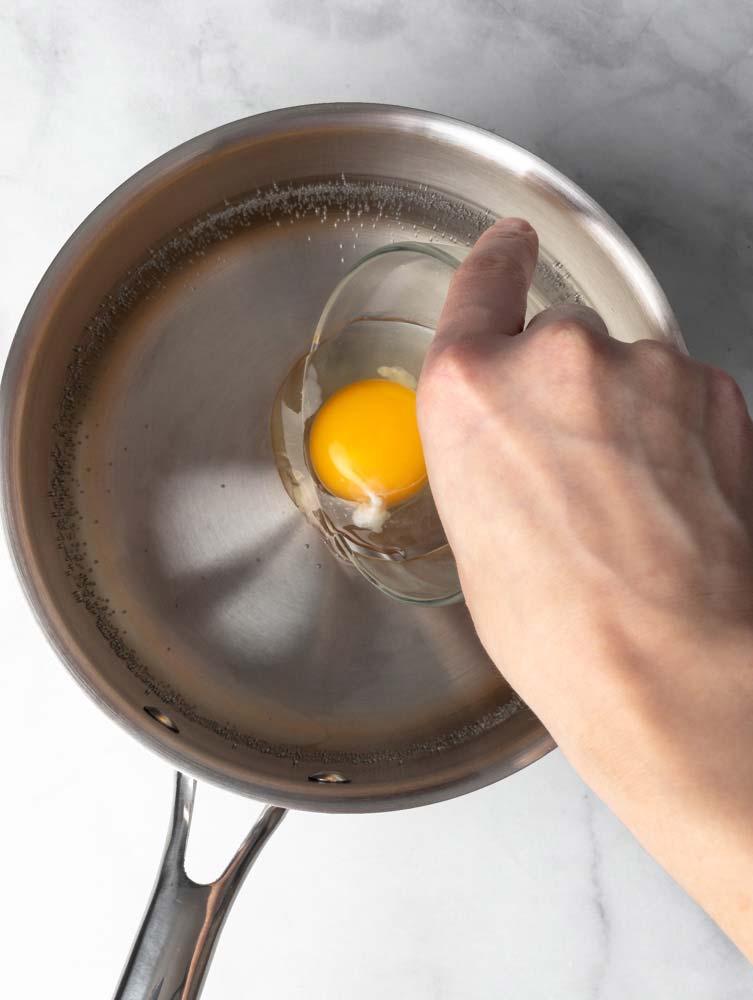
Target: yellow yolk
364	443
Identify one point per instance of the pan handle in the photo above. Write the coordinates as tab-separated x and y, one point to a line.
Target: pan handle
175	943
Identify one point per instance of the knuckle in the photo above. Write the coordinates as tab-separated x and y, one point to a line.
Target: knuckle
453	375
571	342
727	390
452	364
658	355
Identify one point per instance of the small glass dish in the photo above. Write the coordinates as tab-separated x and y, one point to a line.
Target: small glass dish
376	325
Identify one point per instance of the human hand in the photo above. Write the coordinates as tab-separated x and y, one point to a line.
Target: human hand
598	500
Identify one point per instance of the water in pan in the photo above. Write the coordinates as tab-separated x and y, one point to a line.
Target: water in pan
151	602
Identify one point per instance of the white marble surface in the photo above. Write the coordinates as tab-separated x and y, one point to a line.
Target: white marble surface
529	889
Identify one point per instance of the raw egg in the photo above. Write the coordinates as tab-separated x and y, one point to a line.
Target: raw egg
364	444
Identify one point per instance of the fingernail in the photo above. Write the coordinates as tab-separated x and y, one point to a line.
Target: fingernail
513	225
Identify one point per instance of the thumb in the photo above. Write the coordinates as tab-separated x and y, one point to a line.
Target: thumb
488	293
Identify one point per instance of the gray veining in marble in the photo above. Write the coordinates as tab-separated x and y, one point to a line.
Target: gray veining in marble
530	890
600	905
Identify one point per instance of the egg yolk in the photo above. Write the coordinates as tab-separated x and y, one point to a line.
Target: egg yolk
364	443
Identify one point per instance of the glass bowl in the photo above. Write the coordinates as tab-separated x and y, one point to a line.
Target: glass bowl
377	324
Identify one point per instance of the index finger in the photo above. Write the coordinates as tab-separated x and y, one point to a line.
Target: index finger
489	291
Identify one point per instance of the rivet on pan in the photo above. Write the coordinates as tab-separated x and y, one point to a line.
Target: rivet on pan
159	716
330	778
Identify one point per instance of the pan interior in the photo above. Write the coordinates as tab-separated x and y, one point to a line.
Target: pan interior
177	534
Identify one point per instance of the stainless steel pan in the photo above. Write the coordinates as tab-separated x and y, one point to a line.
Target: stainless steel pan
149	528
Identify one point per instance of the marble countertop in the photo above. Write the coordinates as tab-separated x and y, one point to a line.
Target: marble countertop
529	889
